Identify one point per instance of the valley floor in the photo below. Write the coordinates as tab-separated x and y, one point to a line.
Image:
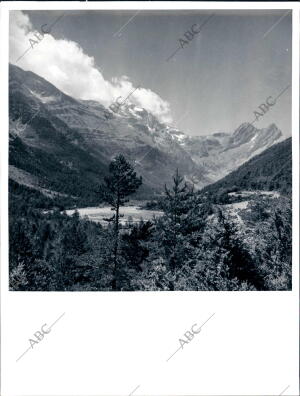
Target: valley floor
129	214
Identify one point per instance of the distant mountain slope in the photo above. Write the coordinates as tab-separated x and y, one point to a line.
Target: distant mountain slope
67	144
270	170
222	152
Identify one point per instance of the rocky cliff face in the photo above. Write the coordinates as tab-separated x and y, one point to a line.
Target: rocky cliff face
82	137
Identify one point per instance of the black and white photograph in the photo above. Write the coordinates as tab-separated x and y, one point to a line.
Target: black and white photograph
149	198
150	150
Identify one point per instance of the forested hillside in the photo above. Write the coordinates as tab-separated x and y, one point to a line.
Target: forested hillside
60	159
269	171
196	245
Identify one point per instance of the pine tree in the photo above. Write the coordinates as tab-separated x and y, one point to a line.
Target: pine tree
171	228
236	259
273	245
121	183
174	209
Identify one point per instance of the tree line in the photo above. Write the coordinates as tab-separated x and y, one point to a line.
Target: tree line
194	245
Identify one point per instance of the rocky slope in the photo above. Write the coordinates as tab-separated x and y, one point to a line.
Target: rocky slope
270	170
67	144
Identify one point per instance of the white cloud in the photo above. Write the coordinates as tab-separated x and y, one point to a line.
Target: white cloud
64	64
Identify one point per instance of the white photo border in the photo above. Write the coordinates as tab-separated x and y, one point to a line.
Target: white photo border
109	344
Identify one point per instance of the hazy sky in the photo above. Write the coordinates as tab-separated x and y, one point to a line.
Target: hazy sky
214	83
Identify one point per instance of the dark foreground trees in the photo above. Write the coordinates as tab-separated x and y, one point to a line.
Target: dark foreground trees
195	245
121	183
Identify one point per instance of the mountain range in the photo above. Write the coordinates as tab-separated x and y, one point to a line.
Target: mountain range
62	144
270	170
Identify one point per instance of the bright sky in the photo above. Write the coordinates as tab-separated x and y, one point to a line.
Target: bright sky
213	83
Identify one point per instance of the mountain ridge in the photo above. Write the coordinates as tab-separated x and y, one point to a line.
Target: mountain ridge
270	170
79	140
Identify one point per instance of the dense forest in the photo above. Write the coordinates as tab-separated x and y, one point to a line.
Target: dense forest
194	245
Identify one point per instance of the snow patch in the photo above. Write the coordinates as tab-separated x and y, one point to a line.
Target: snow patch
133	112
44	99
